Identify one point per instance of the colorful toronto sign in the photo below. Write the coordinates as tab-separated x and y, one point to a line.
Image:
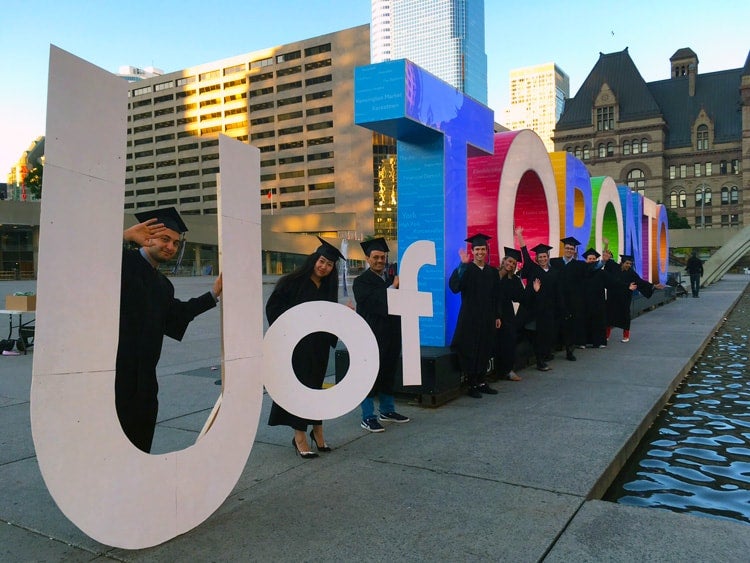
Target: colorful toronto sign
455	176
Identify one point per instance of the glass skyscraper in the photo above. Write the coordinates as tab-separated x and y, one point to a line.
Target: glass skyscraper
445	37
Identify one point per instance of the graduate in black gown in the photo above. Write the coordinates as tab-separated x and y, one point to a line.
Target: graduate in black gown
148	312
571	272
371	294
510	290
543	313
474	338
618	300
315	280
595	285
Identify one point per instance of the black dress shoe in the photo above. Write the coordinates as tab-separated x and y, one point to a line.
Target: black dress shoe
303	455
323	448
486	389
474	392
570	357
543	367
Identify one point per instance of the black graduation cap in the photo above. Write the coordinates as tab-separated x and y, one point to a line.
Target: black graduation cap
591	251
327	250
541	248
570	240
478	240
167	215
374	244
626	258
513	253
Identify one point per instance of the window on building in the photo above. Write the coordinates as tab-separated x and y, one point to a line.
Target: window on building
708	169
605	118
586	152
644	145
672	172
735	166
723	167
683	170
602	150
636	146
637	181
697	169
702	138
724	196
683	199
610	149
626	148
578	152
734	220
673	199
734	195
707	197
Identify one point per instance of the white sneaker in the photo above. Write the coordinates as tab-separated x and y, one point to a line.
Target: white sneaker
625	340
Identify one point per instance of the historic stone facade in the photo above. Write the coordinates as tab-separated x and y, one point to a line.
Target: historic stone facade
684	141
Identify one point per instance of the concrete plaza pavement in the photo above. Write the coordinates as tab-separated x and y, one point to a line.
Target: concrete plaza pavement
510	477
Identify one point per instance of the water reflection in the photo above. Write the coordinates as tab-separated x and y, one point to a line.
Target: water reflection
696	456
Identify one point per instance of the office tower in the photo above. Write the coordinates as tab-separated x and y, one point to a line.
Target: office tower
445	37
537	99
294	102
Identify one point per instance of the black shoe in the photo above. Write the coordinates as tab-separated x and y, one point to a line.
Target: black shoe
323	448
303	455
486	389
474	392
570	357
543	367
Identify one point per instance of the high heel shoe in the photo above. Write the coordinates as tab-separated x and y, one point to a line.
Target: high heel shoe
303	455
323	448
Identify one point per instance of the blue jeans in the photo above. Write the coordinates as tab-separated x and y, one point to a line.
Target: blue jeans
695	284
386	405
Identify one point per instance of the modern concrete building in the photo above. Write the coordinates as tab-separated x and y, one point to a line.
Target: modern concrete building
294	102
683	141
445	37
537	99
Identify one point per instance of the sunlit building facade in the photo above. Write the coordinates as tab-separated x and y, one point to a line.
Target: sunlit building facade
537	99
293	102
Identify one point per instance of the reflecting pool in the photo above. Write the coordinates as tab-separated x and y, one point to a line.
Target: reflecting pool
696	456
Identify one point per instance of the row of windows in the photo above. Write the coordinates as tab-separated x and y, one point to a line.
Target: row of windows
704	197
605	150
706	221
242	67
290	86
296	158
699	169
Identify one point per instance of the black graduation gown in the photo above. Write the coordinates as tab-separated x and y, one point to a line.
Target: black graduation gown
619	298
571	299
594	312
371	295
310	356
510	290
544	306
148	312
474	338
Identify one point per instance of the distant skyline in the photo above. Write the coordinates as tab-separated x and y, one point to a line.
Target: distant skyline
172	35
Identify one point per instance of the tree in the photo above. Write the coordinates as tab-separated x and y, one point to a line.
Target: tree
33	181
675	221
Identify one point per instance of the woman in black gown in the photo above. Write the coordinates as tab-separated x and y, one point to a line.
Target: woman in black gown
315	280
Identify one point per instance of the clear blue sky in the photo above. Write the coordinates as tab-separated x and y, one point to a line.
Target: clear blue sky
172	35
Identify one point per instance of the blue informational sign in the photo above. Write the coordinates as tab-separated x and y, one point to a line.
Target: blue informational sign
436	127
